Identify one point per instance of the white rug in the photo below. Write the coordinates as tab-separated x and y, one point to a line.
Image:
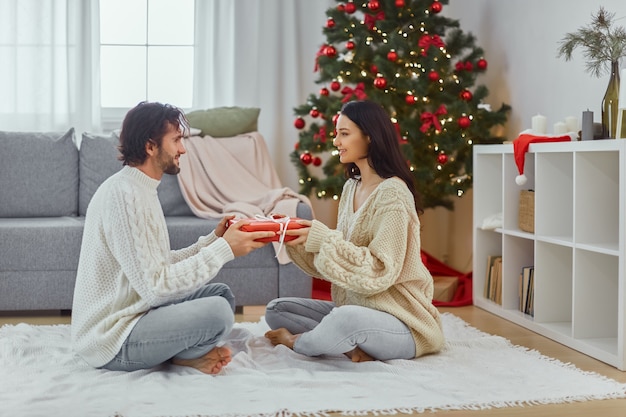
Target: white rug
39	376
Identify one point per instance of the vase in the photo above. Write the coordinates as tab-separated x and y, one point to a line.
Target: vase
610	104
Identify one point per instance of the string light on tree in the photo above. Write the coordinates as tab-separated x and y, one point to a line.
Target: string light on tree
421	67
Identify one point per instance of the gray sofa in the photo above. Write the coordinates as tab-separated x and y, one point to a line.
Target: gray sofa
46	183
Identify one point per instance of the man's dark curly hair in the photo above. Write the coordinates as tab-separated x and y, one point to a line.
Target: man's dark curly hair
147	122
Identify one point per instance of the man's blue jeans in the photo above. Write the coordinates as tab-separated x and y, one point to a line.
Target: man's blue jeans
187	329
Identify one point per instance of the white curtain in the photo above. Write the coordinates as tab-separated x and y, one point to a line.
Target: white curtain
249	53
49	59
260	54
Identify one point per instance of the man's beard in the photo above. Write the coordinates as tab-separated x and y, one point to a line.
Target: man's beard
167	164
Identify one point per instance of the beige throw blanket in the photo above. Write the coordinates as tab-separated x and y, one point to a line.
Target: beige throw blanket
235	175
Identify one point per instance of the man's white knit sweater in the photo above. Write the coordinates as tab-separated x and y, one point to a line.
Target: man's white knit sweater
373	260
126	266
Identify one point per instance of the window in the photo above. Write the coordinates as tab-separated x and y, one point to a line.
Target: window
146	53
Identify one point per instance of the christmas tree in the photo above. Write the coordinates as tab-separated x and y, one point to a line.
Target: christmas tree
421	67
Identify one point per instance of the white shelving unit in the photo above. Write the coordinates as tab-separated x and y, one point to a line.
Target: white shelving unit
578	248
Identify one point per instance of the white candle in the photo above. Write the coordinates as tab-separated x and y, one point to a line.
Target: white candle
572	124
560	128
539	124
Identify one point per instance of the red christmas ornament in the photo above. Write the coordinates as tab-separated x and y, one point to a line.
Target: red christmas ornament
299	123
433	76
330	51
442	158
400	4
410	99
335	117
306	158
324	91
466	95
335	86
436	7
374	68
317	161
350	45
314	112
296	146
482	64
464	122
392	55
373	5
341	7
380	83
468	66
330	23
350	8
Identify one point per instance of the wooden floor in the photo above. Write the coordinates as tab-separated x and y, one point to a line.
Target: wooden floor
480	319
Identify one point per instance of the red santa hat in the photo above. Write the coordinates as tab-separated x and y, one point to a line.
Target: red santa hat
520	147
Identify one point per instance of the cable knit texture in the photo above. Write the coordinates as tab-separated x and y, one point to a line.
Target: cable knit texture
373	259
127	267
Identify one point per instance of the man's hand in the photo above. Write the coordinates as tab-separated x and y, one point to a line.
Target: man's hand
223	225
242	243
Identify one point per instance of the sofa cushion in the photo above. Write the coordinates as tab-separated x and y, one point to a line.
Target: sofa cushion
171	197
222	122
39	174
98	161
40	243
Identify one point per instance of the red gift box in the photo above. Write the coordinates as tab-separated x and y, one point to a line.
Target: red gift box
268	225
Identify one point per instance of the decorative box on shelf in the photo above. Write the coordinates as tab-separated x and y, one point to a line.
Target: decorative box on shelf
526	217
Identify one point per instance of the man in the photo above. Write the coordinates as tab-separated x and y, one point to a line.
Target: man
137	303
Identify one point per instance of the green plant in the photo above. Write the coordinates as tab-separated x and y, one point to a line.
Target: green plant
602	43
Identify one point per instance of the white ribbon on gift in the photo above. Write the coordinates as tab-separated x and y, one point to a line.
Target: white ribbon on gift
283	223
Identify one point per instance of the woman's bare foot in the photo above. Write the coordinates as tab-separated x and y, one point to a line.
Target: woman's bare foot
357	355
211	363
281	336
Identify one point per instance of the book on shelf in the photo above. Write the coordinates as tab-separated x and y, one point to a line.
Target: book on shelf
526	290
493	279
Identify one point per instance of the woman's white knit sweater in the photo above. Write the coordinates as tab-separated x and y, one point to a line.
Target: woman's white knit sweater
126	266
373	259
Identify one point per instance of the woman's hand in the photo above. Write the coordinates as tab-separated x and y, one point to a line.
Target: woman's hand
301	233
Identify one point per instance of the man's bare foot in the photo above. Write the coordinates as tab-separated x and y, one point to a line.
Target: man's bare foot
357	355
282	336
211	363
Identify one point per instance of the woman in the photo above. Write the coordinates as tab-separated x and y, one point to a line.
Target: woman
382	292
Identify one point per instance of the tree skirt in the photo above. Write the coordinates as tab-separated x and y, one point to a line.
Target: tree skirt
39	375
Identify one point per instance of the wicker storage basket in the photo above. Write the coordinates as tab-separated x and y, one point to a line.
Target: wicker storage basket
527	211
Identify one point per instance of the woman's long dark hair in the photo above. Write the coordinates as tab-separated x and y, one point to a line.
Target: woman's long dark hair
384	155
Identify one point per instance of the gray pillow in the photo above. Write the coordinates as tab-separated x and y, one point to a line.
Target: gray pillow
171	197
98	161
39	176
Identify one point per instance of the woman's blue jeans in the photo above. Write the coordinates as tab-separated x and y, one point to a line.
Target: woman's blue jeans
326	329
187	329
